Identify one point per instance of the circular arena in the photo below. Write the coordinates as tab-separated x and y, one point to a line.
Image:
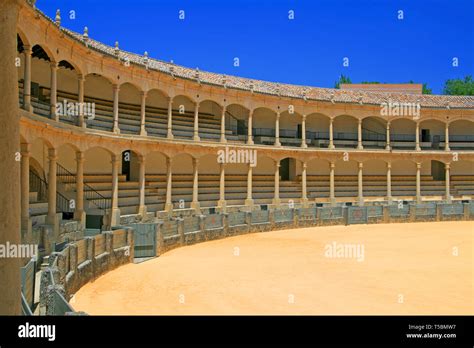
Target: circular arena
148	187
306	271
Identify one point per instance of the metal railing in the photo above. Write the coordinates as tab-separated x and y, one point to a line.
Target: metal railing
39	186
90	193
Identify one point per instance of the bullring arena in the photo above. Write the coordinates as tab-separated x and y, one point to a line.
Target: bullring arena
152	188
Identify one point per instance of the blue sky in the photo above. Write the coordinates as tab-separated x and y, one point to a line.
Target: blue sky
307	50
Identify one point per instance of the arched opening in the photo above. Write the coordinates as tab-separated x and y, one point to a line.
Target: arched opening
209	120
263	124
290	128
98	90
461	135
237	122
317	176
41	81
208	178
182	183
375	179
317	129
129	109
67	93
156	121
374	132
402	133
431	134
183	117
155	179
345	131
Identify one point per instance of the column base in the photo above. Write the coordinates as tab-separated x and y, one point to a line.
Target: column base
305	202
196	138
142	210
448	199
116	130
277	144
169	207
389	199
28	107
388	147
360	201
418	148
115	217
196	206
276	202
360	147
249	142
304	145
333	202
169	135
80	216
418	200
249	202
54	116
331	147
223	140
222	205
447	149
143	132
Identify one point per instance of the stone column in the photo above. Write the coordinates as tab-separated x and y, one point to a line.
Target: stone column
115	213
447	182
168	203
249	200
80	92
25	186
387	146
116	128
79	213
54	90
417	137
332	196
331	135
10	286
196	123
52	157
418	183
304	193
303	132
249	130
389	182
223	139
141	186
277	129
360	196
169	133
142	114
359	135
446	136
222	202
276	197
195	203
27	80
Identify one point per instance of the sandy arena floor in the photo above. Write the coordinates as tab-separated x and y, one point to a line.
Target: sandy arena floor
405	269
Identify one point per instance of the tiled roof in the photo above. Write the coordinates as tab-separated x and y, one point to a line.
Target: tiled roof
272	88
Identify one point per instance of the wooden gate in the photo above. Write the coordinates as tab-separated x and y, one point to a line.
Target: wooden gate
144	239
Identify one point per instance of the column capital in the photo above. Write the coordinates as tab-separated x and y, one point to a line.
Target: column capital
52	154
81	78
389	165
447	165
278	163
116	87
195	161
169	161
303	117
53	64
304	165
143	94
361	165
80	156
115	159
28	49
332	165
25	149
418	165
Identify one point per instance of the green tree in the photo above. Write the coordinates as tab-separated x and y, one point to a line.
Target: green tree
425	88
342	79
459	86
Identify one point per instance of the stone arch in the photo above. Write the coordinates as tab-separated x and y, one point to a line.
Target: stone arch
237	120
263	123
209	119
98	160
129	108
345	127
98	89
317	177
317	126
183	116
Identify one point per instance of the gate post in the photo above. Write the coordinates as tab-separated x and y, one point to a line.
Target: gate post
160	240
